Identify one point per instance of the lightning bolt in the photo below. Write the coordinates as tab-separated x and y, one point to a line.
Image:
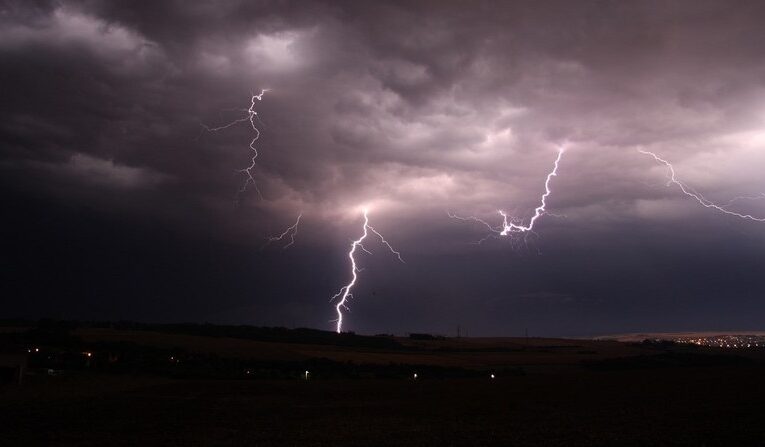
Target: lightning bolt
509	224
736	199
290	232
690	192
250	114
345	292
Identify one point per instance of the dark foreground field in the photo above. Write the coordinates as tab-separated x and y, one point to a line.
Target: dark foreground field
696	407
660	398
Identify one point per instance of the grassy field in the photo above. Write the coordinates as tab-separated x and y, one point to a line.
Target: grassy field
719	406
482	353
570	393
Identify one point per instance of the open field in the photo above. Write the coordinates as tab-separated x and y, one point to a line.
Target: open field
480	353
718	406
547	392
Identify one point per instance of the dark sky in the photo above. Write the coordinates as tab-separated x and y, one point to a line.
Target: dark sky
116	205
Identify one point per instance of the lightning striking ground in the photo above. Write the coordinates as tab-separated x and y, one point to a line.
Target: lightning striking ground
345	292
250	115
290	232
690	192
511	226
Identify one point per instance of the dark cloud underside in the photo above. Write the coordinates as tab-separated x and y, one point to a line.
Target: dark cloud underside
118	204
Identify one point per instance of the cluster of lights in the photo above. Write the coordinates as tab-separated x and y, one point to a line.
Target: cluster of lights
415	376
726	341
87	354
306	374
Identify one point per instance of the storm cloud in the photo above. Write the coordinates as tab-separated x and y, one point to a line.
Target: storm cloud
411	108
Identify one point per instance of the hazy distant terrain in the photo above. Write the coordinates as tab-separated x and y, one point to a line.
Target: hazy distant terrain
477	353
640	336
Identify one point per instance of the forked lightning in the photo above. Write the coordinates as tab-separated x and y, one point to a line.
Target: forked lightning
690	192
250	114
508	226
290	232
345	292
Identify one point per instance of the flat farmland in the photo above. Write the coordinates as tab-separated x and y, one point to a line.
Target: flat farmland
718	406
481	353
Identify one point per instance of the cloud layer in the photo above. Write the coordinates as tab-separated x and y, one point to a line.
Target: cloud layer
414	109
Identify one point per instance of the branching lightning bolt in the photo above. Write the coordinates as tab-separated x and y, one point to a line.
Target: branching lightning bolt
250	115
690	192
290	232
736	199
345	292
510	225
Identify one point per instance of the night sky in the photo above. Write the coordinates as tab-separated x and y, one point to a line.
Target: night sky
117	205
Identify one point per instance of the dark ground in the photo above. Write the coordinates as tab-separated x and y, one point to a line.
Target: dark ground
694	406
128	384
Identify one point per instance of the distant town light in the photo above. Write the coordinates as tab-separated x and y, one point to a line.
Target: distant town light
415	375
740	341
306	375
492	376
